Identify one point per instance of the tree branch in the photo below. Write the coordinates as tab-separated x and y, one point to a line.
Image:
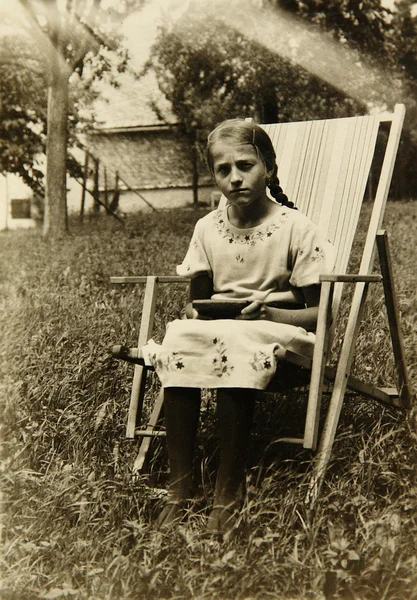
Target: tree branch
88	41
36	32
53	57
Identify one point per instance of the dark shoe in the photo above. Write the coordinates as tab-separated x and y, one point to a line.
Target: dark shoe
222	521
171	515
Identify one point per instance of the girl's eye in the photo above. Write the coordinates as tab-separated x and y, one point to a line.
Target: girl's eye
245	166
222	170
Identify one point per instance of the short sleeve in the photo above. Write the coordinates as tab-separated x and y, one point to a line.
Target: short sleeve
311	254
196	261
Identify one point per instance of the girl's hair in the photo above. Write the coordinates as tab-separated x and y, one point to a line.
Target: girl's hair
240	132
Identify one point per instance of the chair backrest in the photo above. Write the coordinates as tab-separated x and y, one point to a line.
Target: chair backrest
323	167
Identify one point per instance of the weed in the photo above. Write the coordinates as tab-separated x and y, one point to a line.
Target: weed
75	524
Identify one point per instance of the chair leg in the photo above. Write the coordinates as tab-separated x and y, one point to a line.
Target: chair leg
139	378
136	401
318	366
403	384
329	431
155	417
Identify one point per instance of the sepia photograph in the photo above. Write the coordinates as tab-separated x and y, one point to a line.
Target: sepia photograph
208	305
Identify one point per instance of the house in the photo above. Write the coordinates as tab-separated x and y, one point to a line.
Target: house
17	210
142	150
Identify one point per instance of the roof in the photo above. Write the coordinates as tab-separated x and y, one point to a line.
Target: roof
137	103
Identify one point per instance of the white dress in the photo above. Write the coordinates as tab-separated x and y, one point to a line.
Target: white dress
271	262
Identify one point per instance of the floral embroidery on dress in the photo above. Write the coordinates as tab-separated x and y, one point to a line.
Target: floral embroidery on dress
249	239
317	254
172	362
261	361
220	362
239	258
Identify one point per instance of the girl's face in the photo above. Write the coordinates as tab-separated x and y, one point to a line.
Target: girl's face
239	173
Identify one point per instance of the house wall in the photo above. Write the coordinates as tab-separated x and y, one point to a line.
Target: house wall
12	188
130	202
145	159
74	192
157	164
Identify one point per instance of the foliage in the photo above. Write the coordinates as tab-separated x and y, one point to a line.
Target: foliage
23	98
287	60
363	25
207	64
77	526
210	71
65	41
405	37
23	101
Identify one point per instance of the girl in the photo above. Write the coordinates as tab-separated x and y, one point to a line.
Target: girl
255	249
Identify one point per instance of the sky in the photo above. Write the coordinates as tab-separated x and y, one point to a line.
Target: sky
141	27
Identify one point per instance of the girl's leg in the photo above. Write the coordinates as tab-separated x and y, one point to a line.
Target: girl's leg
235	408
181	413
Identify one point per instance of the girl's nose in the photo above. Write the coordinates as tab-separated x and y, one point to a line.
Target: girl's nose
235	175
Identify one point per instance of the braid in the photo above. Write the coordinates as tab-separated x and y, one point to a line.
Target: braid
276	190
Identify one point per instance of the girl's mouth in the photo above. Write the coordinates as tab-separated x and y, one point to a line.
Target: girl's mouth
239	191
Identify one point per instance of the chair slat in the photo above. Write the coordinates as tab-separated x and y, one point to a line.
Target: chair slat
323	167
365	160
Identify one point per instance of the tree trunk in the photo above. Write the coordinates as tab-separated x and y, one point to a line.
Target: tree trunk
96	191
84	189
55	221
270	107
195	173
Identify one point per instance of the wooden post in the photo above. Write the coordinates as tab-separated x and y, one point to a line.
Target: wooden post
84	185
114	204
96	192
195	174
136	192
106	191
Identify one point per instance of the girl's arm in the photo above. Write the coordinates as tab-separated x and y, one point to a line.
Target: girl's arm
303	317
201	288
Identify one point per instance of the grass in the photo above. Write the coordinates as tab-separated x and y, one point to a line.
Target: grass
76	525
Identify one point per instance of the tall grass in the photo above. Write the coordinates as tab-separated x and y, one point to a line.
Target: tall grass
76	525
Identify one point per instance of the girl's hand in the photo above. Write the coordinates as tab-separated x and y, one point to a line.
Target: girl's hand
190	312
255	311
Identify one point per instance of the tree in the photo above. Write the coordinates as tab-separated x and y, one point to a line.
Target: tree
363	25
23	102
388	41
264	62
210	71
404	37
278	60
69	35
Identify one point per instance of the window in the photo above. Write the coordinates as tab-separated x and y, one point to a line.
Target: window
20	208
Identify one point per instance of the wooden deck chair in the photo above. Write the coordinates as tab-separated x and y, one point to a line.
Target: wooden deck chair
324	167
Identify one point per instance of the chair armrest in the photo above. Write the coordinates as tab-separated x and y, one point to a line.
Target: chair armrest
144	278
132	355
351	278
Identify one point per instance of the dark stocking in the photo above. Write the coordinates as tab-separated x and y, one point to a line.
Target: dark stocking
181	411
235	408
